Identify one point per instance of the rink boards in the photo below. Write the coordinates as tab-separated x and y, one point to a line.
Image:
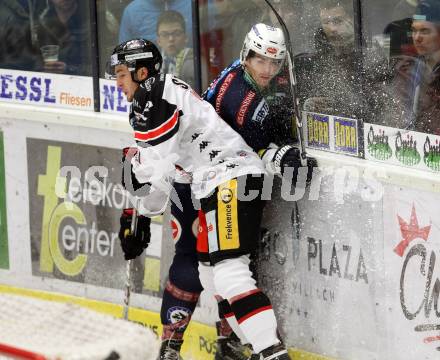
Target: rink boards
351	270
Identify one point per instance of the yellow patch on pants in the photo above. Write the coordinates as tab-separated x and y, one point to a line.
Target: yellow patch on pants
228	216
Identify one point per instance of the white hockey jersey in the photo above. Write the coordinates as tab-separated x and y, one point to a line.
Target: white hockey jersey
173	127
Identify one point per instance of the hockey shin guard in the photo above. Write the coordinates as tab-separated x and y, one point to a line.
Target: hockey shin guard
177	308
228	322
252	308
224	330
206	274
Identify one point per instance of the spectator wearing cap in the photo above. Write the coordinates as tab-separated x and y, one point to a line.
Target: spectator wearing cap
418	79
426	33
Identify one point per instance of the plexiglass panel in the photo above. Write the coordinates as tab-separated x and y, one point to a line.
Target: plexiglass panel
167	23
50	36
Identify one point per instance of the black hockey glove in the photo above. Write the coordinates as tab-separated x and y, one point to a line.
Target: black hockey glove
289	156
134	244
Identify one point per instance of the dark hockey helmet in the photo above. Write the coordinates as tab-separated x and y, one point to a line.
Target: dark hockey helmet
135	53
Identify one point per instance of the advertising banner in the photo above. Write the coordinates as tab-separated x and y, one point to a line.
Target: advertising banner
44	89
357	279
402	147
113	100
412	281
4	253
75	201
318	264
332	133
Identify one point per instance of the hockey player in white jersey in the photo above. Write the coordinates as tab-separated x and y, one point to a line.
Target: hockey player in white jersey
174	127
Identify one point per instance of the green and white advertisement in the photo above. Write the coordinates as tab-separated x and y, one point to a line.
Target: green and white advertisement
402	147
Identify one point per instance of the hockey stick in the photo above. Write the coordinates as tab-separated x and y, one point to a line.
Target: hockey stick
133	230
291	67
127	289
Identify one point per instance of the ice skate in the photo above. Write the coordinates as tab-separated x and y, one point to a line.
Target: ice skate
170	350
230	348
275	352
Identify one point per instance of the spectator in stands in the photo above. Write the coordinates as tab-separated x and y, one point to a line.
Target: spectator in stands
19	46
66	23
417	82
337	79
139	19
172	39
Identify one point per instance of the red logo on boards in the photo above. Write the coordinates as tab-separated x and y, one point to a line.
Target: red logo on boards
410	231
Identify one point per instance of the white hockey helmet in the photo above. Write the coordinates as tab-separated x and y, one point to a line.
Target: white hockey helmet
264	40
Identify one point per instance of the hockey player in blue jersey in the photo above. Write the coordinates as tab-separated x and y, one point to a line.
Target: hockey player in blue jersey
252	96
